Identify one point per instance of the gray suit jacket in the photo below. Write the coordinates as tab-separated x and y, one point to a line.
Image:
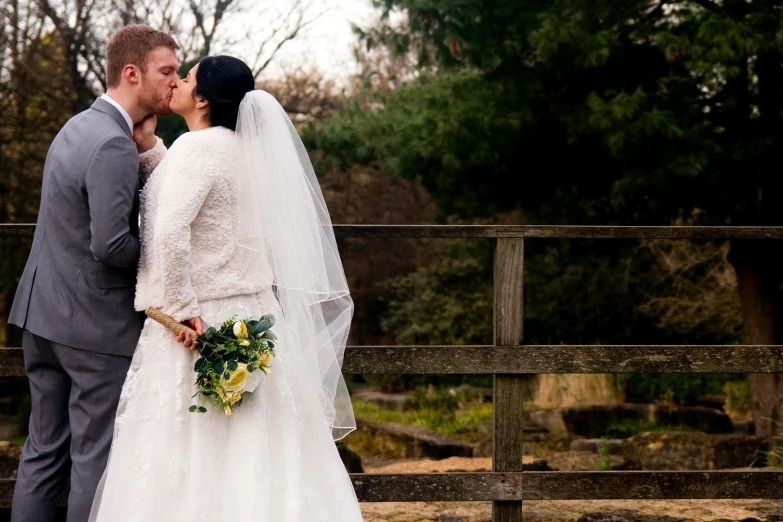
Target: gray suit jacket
78	284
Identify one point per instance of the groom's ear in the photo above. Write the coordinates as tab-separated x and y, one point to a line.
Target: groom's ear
131	73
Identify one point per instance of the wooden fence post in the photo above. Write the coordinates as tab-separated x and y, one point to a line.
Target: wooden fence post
508	389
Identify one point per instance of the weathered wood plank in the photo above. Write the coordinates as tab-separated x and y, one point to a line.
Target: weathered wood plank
508	388
554	231
445	360
512	231
508	285
577	485
550	485
562	359
614	232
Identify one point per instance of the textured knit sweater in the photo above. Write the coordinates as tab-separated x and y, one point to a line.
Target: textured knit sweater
189	225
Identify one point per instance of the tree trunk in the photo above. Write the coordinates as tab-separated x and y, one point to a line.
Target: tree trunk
581	389
759	276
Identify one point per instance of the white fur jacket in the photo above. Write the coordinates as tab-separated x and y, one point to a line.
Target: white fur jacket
188	225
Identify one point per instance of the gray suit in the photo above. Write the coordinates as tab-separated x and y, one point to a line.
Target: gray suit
75	303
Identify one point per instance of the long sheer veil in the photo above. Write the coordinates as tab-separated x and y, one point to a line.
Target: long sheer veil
284	221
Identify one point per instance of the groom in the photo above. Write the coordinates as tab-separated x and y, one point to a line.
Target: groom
75	297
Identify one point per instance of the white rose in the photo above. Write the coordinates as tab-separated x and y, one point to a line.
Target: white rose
240	381
237	381
245	343
240	330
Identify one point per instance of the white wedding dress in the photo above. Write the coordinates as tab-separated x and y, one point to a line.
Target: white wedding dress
274	458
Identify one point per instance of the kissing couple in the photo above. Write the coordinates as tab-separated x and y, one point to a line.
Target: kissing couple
229	221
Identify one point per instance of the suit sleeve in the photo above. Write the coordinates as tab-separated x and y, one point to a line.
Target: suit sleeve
112	183
181	196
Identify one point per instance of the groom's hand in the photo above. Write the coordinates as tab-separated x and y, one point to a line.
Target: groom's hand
144	133
186	339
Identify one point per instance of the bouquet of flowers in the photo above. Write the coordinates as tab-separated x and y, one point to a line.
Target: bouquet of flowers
232	358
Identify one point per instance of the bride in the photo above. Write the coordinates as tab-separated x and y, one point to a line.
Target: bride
233	222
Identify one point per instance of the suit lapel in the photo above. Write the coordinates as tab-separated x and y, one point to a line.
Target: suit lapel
107	108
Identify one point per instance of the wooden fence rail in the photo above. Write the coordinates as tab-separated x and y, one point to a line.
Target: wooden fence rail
513	231
508	359
527	359
550	485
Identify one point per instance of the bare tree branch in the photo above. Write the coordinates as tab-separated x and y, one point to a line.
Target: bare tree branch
299	26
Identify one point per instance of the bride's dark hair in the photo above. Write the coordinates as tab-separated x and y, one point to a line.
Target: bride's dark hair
223	81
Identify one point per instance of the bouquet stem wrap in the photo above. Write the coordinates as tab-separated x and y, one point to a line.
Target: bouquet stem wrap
170	323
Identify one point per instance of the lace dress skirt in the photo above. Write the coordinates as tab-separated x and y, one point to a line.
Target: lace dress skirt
272	460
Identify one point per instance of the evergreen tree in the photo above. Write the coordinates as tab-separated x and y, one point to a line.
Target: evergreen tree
596	112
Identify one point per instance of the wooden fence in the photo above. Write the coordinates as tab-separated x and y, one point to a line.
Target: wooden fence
507	486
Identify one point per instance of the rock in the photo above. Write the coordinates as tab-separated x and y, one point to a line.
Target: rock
594	445
588	421
536	465
716	401
582	461
544	444
404	441
698	418
691	451
745	427
352	461
550	420
594	421
391	401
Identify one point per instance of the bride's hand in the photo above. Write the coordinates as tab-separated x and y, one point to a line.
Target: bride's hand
144	133
185	339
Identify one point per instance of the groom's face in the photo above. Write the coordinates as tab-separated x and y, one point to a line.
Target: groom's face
158	81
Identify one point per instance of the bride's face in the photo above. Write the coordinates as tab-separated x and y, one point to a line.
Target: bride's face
183	101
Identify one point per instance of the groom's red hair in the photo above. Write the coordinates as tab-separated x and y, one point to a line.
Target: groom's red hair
132	44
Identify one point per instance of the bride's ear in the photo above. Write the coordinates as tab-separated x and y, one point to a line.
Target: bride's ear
201	103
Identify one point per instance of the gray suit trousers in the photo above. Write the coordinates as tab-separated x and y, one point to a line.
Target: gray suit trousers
74	400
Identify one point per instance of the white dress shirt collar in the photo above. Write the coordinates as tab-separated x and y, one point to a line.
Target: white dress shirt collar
122	111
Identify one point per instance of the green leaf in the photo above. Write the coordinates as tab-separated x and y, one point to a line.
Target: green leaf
202	409
261	327
269	335
231	364
269	318
219	367
193	408
201	364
